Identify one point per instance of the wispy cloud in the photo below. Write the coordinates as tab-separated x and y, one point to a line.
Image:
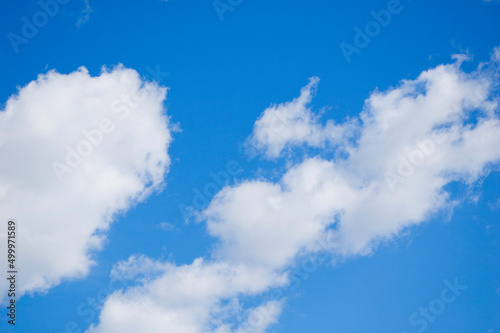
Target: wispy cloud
85	14
166	226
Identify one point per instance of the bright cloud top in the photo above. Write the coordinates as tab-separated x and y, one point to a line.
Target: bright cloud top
78	150
293	123
409	142
188	298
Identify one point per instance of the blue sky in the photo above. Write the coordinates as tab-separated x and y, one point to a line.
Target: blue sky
223	75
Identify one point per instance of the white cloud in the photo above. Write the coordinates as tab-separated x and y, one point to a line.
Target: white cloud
427	121
63	211
267	224
345	203
293	123
261	317
187	298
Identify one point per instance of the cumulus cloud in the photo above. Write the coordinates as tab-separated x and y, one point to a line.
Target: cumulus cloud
187	298
76	151
412	141
294	123
407	145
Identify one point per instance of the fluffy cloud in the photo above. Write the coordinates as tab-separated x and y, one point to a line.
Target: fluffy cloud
77	150
263	223
412	140
187	298
293	123
407	145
